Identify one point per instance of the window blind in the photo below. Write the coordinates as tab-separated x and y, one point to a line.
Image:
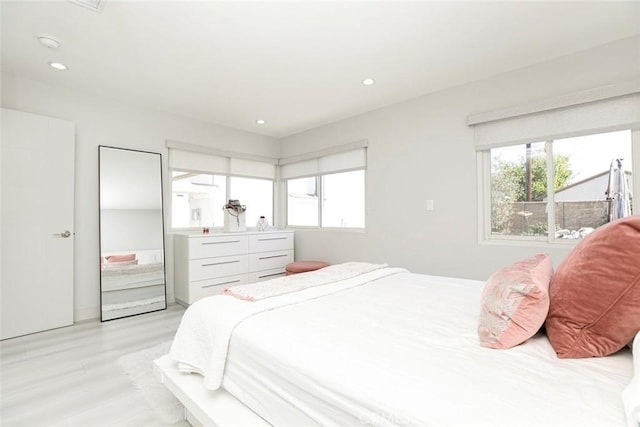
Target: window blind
198	162
343	161
253	169
571	116
201	159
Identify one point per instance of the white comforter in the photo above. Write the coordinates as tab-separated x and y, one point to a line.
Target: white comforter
202	339
631	394
404	351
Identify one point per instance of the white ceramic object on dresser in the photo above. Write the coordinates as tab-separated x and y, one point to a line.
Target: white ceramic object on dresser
206	264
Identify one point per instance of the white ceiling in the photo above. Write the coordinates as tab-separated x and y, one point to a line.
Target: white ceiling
296	65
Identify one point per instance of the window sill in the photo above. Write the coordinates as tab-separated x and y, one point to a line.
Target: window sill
346	229
559	243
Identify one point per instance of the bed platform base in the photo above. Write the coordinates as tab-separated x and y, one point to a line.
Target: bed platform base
204	407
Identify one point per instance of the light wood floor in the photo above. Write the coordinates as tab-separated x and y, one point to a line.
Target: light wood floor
70	376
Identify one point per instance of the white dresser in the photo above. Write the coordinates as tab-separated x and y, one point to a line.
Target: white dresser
205	264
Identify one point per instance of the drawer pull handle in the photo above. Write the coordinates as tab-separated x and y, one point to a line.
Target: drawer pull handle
218	243
220	263
220	284
272	275
272	256
273	238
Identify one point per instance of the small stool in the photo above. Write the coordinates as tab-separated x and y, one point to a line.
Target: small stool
304	266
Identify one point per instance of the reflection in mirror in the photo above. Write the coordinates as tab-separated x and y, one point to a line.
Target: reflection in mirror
132	273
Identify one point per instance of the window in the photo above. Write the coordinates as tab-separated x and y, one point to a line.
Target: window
302	202
256	194
197	199
519	190
343	199
202	183
328	190
557	169
597	177
591	184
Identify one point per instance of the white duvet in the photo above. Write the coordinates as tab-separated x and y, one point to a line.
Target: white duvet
202	339
400	350
631	393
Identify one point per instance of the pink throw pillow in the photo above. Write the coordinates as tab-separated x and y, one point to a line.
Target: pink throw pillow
121	258
515	302
595	293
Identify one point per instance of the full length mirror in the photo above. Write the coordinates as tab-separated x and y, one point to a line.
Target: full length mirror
132	271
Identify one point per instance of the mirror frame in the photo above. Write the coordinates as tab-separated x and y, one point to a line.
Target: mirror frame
100	230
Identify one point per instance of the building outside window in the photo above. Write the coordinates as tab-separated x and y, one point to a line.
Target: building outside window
196	199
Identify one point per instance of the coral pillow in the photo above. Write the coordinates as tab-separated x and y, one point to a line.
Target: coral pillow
595	293
515	302
121	258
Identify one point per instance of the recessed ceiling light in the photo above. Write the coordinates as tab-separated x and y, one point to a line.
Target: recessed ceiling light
261	122
368	81
58	66
48	41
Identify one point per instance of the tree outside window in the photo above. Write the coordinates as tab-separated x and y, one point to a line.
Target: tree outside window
519	191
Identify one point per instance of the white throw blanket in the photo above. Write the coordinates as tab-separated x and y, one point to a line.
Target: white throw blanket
301	281
631	394
202	339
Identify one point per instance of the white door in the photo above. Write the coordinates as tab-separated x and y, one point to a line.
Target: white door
36	223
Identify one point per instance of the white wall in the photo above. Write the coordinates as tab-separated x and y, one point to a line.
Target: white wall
102	121
418	150
422	149
130	229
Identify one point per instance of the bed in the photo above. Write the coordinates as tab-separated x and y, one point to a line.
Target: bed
381	347
369	344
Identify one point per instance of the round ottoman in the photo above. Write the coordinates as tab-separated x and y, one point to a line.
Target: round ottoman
304	266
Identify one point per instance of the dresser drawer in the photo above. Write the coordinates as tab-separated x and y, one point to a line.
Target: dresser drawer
215	246
270	260
207	288
208	268
267	275
270	242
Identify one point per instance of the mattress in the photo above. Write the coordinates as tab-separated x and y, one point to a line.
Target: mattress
403	350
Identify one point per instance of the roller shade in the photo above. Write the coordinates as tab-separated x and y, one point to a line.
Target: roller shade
190	161
220	165
330	163
609	114
250	168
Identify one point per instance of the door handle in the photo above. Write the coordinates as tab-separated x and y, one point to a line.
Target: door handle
63	235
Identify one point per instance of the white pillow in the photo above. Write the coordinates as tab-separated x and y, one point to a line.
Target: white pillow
631	394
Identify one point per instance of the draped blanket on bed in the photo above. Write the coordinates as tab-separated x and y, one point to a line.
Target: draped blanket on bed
202	339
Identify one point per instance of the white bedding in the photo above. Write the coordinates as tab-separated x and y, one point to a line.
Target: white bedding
116	277
631	394
403	350
202	339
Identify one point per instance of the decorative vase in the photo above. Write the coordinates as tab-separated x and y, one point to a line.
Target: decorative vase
234	216
262	224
